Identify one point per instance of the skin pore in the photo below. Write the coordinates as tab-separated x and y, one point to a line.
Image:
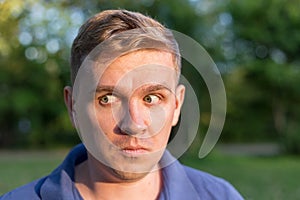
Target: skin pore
137	102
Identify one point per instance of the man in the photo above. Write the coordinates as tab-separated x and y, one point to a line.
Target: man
124	100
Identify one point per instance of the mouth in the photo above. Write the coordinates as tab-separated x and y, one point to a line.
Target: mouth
134	151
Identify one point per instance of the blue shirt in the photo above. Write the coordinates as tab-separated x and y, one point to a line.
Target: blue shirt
179	182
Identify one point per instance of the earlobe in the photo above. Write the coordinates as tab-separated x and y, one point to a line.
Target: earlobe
69	103
180	92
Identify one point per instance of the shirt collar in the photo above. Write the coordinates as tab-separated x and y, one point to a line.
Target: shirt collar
176	184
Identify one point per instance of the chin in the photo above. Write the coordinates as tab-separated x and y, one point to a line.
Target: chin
132	169
129	176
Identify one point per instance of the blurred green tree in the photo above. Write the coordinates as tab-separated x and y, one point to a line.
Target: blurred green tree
35	42
255	45
32	74
263	92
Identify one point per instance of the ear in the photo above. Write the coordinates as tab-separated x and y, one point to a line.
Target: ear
69	103
179	94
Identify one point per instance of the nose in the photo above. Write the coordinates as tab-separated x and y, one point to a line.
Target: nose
135	119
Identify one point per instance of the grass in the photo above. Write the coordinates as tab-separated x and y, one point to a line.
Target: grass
18	168
255	177
273	178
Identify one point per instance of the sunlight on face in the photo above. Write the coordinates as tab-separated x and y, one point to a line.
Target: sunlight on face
135	106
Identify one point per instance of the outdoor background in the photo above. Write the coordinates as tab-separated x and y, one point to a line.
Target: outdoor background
255	45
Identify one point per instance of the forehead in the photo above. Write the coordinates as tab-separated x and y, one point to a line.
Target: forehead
141	68
139	58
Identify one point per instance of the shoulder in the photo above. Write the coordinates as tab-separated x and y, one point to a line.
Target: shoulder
213	186
28	191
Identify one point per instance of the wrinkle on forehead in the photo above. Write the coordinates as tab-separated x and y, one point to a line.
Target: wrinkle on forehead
139	77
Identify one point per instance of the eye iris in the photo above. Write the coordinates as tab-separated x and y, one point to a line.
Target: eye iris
104	99
148	99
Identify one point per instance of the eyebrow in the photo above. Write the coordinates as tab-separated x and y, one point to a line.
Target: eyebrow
107	88
146	89
153	88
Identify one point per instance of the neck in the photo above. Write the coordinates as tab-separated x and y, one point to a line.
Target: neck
97	182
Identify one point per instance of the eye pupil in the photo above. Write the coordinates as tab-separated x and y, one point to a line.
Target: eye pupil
104	99
148	99
108	99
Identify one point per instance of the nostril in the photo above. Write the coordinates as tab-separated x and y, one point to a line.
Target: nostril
131	128
119	131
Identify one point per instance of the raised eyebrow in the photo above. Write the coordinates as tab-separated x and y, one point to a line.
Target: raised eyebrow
147	89
153	88
107	88
104	88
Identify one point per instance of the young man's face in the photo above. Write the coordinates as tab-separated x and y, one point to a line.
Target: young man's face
137	101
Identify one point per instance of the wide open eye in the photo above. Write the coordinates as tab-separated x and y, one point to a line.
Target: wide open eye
107	99
151	99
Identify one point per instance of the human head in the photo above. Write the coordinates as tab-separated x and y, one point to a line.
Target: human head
109	23
151	63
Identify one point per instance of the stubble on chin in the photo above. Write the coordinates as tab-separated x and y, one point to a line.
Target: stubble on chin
128	176
130	169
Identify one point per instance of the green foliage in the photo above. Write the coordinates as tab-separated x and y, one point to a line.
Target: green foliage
31	82
35	42
262	97
255	44
274	23
263	92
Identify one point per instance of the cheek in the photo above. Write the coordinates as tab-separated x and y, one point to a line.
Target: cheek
162	136
160	140
105	121
161	117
